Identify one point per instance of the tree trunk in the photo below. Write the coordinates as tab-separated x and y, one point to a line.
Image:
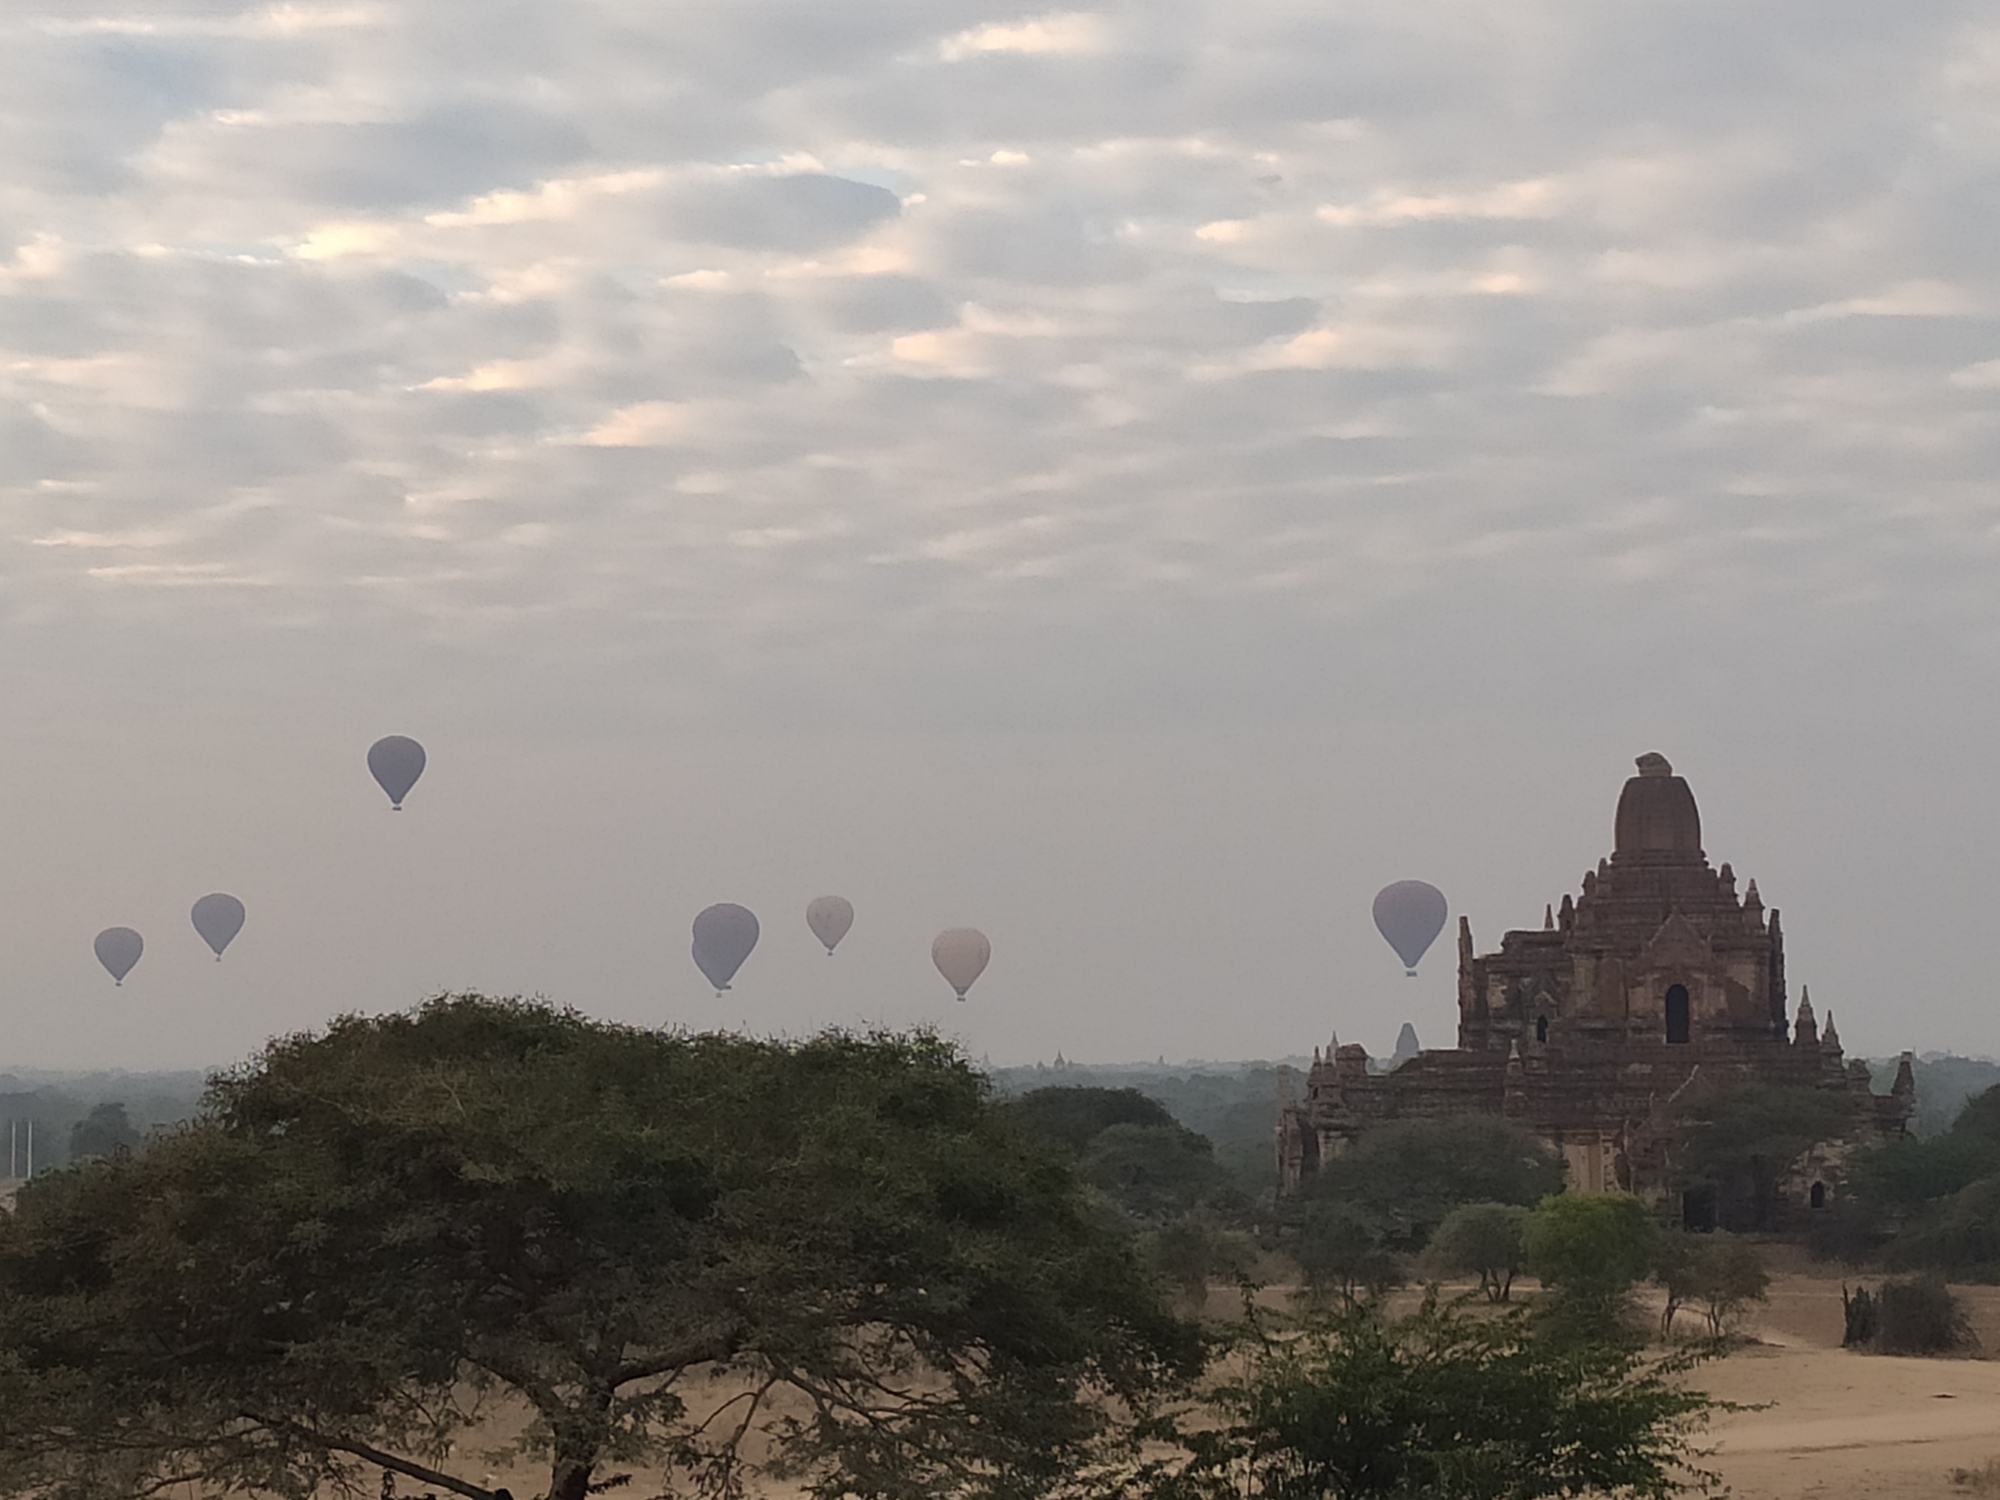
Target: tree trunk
580	1434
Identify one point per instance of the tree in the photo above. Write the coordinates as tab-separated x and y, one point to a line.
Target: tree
1355	1404
1077	1115
1341	1255
640	1240
1407	1177
1742	1141
1589	1252
105	1131
1483	1240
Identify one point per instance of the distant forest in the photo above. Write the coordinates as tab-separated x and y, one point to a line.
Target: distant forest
1233	1104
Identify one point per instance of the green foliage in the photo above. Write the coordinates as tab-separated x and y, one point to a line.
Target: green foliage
1193	1252
1900	1175
1719	1271
1075	1116
1920	1315
1340	1255
1405	1178
1484	1240
1980	1119
1441	1403
105	1131
374	1231
1960	1233
1742	1140
1154	1172
1589	1252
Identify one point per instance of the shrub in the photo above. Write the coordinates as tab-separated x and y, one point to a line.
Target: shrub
1919	1315
1589	1252
1863	1318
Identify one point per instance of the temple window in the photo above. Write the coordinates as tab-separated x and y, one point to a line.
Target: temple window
1541	1028
1678	1018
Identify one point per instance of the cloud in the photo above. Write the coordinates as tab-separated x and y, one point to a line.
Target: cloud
1089	311
1062	34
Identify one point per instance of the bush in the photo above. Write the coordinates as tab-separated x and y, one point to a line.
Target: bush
1483	1240
1589	1252
1863	1318
1961	1233
1443	1403
1920	1315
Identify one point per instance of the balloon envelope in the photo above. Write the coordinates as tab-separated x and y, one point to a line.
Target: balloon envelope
218	918
118	948
1410	914
829	917
723	937
960	954
396	762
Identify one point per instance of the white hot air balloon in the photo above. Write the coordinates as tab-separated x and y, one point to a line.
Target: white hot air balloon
1410	914
218	918
118	949
396	762
829	917
960	954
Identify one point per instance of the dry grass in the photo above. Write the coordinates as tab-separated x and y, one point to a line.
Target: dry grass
1984	1479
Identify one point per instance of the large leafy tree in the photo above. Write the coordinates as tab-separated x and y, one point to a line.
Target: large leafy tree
650	1248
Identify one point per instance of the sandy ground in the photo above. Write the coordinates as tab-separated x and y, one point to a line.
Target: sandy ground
1837	1424
1830	1424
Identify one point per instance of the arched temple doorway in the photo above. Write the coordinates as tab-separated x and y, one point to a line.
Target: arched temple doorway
1679	1021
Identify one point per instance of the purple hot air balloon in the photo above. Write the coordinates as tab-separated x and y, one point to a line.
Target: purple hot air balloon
396	762
1410	914
218	918
723	937
118	949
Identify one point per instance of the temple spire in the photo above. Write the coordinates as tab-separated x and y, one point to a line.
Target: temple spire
1805	1030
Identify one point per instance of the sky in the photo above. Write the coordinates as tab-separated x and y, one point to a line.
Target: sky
1132	479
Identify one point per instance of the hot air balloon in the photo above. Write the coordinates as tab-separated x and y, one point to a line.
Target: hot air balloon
829	917
723	937
218	918
960	954
1410	914
396	762
118	948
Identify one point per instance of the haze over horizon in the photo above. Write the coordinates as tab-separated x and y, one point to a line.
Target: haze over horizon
1135	479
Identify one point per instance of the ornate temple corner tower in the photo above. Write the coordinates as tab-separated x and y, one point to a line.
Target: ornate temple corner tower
1656	980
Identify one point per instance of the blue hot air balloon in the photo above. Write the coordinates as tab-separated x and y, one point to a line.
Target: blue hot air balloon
1410	914
396	762
723	937
118	949
218	918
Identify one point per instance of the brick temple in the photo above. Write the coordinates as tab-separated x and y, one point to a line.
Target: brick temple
1659	978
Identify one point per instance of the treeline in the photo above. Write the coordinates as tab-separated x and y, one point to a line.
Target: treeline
1928	1204
694	1263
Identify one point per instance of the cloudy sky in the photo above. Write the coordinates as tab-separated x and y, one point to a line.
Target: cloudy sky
1135	479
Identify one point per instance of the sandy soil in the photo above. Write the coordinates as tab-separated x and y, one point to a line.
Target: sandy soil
1830	1424
1837	1424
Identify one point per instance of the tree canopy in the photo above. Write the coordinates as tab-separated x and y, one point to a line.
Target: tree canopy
654	1245
1355	1403
1406	1177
